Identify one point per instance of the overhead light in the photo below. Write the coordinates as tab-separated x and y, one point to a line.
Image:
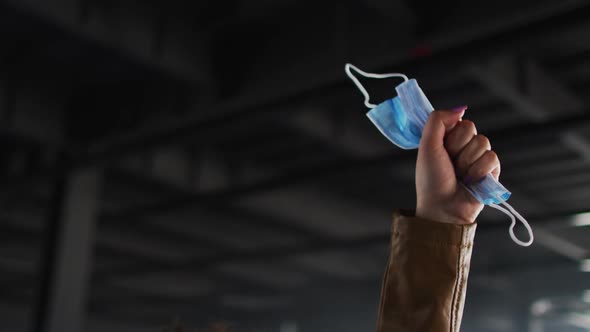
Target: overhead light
541	307
581	219
578	319
585	265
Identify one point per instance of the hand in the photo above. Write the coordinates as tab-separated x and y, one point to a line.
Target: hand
449	149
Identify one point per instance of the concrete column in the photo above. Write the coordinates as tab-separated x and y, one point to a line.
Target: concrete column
63	294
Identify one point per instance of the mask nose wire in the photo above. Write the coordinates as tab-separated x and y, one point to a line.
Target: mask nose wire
347	69
512	213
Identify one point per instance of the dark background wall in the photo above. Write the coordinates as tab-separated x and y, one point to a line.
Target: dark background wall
210	161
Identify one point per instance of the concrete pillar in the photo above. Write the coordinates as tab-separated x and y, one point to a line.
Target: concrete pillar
63	294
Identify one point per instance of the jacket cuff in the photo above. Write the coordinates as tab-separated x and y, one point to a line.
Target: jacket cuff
407	226
425	281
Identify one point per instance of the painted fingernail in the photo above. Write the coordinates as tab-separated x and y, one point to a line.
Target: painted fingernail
459	109
467	179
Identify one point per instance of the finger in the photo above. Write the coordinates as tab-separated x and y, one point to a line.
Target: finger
496	172
437	125
478	145
459	137
486	164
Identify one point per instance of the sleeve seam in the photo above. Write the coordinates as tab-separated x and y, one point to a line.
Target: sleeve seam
456	290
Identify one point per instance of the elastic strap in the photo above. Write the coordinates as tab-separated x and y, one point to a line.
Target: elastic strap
358	84
512	213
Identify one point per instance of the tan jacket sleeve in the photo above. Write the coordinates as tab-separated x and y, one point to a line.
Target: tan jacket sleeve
426	275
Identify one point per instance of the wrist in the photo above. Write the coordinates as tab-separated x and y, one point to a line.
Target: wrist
440	215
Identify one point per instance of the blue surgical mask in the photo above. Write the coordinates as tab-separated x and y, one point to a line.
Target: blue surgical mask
401	119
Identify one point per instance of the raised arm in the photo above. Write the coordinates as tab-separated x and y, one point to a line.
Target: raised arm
425	280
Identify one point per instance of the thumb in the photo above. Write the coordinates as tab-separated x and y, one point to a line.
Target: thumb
438	124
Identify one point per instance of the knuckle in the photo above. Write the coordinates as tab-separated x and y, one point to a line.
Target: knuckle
468	126
437	113
496	172
483	142
492	156
436	116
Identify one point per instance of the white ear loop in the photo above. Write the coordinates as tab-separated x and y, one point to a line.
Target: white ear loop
511	214
358	84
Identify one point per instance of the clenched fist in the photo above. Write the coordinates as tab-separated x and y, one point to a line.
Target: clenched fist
451	151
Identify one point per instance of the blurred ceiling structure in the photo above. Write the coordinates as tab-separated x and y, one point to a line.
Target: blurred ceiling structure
236	177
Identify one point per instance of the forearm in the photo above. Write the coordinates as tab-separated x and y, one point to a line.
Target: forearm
426	276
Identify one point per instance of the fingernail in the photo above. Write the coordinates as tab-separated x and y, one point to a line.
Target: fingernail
467	179
459	109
